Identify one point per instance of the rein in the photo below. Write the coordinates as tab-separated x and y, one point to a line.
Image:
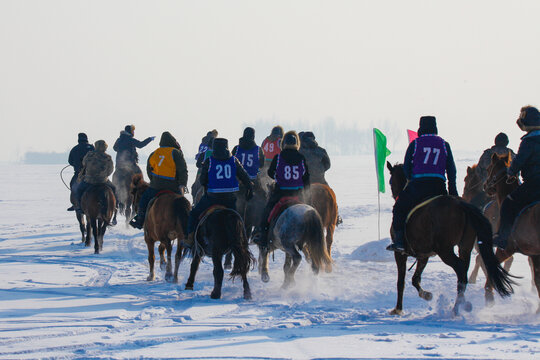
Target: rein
495	181
62	178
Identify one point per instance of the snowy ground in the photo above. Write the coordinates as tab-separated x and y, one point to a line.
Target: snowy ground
59	300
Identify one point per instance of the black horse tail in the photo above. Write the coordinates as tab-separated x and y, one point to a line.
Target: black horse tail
104	196
238	243
181	208
500	279
314	240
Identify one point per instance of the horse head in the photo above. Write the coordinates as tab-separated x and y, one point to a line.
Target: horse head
497	172
137	188
473	183
397	178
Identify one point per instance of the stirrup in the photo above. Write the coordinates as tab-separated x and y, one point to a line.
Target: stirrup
71	208
396	247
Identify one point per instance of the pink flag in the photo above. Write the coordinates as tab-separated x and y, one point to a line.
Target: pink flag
412	135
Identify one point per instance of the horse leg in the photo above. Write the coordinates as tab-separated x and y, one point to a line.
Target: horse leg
88	232
151	257
82	225
95	233
508	263
247	290
193	271
531	265
218	275
228	261
263	264
477	264
102	226
534	261
329	241
289	275
168	271
460	268
177	261
401	263
161	251
501	255
286	270
417	278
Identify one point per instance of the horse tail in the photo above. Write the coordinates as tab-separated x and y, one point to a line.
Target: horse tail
181	208
238	243
500	279
103	203
314	240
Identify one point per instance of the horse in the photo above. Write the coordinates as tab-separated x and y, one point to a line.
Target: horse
98	205
525	235
220	231
122	179
473	192
80	218
298	227
435	229
323	199
166	220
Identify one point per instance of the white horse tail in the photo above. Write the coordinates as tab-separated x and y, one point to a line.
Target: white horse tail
314	240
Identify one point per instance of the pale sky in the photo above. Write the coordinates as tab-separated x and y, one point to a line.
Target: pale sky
190	66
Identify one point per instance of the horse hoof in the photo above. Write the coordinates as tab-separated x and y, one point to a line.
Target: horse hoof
87	244
150	278
188	287
227	267
247	296
168	277
426	295
265	278
489	298
215	295
175	280
467	306
472	281
96	251
396	312
328	269
162	266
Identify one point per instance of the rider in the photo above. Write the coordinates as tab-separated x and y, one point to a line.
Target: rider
316	157
205	151
76	156
527	161
500	148
206	143
167	170
290	170
270	144
250	155
125	147
219	175
427	160
97	166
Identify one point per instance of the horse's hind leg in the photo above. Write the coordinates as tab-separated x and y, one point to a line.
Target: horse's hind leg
88	232
82	225
228	261
534	261
290	269
401	263
460	268
177	261
329	241
168	271
417	278
95	233
151	258
161	251
477	264
193	271
263	264
218	276
102	226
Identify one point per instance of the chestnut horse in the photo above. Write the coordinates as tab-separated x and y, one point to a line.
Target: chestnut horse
166	219
525	235
323	199
98	205
435	229
221	231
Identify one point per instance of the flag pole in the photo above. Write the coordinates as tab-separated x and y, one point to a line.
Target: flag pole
378	192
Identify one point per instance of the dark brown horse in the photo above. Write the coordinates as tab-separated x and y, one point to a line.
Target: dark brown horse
166	220
525	236
222	231
435	229
473	192
80	219
323	199
98	205
122	179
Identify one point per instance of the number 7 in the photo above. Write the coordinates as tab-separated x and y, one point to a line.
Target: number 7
427	150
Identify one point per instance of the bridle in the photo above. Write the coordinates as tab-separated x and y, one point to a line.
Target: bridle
497	178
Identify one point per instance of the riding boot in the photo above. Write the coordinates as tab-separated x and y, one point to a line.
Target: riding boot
71	208
509	211
399	242
138	221
262	238
189	241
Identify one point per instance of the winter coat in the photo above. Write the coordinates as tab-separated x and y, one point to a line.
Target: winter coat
292	157
181	177
248	144
317	160
77	154
125	147
485	159
527	159
97	166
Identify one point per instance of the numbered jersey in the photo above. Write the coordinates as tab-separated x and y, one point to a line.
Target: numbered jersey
289	177
163	164
429	157
222	175
249	160
270	149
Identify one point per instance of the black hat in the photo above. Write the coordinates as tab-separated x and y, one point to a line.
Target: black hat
501	139
129	129
83	137
277	130
249	133
428	125
529	118
221	148
309	135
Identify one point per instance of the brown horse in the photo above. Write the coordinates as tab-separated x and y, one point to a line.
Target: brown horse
435	229
473	192
80	218
323	199
98	205
525	235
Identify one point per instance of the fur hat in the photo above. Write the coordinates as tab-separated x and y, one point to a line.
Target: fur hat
221	148
501	139
529	118
290	141
130	129
249	133
277	130
428	125
83	138
101	146
167	140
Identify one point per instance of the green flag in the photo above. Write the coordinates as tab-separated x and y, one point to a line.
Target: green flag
381	152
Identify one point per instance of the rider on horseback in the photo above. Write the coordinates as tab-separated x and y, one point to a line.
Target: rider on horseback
206	144
427	160
76	156
250	155
219	175
500	148
316	157
167	170
290	170
97	166
270	144
126	148
527	161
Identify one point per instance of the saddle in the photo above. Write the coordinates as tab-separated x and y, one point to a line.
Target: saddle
527	207
422	204
161	192
210	210
281	205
